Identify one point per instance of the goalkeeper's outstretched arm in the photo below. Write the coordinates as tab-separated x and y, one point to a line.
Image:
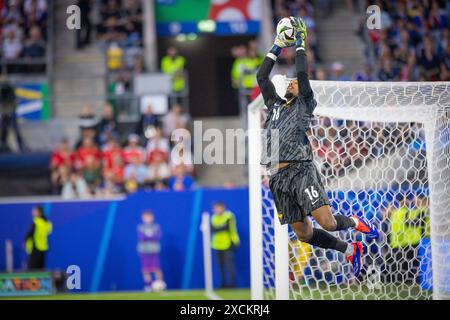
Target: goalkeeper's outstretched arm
301	64
301	67
265	84
267	88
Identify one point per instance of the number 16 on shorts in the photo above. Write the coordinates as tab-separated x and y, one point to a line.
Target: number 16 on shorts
312	194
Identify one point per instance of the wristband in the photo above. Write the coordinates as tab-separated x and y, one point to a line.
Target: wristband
276	50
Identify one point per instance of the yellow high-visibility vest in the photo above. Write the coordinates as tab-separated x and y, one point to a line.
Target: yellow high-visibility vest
174	67
42	230
249	66
236	72
224	231
403	235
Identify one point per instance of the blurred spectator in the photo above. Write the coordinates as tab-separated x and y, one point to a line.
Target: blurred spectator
134	13
160	186
88	149
364	75
84	33
112	156
410	71
137	171
61	162
12	46
114	174
429	61
111	15
180	181
159	170
173	64
87	117
138	64
35	44
114	56
35	47
74	186
147	123
88	124
445	65
8	118
112	32
133	150
173	120
92	173
321	74
131	185
158	144
120	88
108	124
387	72
337	72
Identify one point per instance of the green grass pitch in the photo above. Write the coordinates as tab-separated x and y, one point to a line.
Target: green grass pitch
243	294
388	292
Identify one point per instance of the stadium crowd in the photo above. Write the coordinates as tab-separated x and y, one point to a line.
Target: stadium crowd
412	44
100	165
121	32
23	34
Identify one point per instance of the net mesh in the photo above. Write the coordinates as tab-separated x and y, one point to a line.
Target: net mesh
384	153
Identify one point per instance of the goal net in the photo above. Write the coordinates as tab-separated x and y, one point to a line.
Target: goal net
383	150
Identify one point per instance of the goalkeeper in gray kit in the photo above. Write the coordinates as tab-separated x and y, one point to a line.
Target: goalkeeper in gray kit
295	182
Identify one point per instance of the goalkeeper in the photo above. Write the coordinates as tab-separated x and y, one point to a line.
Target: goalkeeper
295	182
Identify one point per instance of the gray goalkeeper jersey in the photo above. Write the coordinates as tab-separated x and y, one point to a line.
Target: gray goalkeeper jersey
290	121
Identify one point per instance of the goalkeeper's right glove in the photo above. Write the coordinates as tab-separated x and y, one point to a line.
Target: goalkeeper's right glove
278	45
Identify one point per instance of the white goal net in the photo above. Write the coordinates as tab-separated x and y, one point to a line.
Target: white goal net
383	150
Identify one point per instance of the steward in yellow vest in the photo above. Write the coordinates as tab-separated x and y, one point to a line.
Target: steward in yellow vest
173	65
36	240
239	53
408	227
225	240
249	67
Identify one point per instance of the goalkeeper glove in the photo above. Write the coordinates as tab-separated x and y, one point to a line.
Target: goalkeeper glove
279	44
300	32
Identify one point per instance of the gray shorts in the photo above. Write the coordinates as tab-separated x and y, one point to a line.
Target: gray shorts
297	191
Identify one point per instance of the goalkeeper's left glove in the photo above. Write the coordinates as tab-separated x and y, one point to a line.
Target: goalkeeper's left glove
300	32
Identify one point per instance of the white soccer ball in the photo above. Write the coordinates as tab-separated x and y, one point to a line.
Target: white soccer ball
285	30
158	285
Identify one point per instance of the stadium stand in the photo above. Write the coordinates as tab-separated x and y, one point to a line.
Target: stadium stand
23	29
413	43
406	48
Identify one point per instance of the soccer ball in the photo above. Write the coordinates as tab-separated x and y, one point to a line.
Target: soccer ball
158	286
285	30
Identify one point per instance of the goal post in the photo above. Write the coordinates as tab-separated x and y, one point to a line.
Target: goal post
383	150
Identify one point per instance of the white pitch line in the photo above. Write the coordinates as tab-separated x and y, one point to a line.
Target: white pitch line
212	296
